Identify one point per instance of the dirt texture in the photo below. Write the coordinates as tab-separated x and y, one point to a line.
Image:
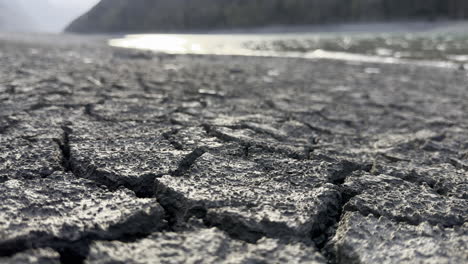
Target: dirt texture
121	156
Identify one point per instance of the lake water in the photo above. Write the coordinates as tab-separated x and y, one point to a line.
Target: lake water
437	48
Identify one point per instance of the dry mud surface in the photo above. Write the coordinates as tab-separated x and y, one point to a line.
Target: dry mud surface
121	156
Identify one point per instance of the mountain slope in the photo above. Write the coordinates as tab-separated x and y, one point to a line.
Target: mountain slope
167	15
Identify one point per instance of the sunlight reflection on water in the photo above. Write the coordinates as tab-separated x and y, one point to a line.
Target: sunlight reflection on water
187	44
219	44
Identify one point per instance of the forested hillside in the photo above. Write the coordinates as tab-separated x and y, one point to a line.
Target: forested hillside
163	15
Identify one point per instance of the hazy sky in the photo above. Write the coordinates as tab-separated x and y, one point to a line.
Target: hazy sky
81	4
54	15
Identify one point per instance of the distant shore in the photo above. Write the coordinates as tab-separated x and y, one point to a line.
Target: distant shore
410	26
367	27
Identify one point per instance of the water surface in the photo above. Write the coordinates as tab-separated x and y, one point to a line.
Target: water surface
437	48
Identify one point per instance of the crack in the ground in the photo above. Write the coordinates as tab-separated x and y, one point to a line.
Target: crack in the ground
3	179
181	209
326	247
400	219
40	106
178	209
64	145
188	161
169	136
10	123
89	111
246	150
346	196
258	130
141	186
459	164
143	83
346	168
293	115
349	123
137	226
414	178
212	131
338	178
324	130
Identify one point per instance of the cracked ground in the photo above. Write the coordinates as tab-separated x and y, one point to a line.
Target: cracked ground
119	156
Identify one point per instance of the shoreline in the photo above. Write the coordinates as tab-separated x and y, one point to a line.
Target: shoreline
408	26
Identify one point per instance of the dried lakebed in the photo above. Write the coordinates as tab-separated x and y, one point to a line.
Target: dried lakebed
119	156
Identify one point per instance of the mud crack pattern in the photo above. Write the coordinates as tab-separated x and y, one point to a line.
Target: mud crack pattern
120	156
